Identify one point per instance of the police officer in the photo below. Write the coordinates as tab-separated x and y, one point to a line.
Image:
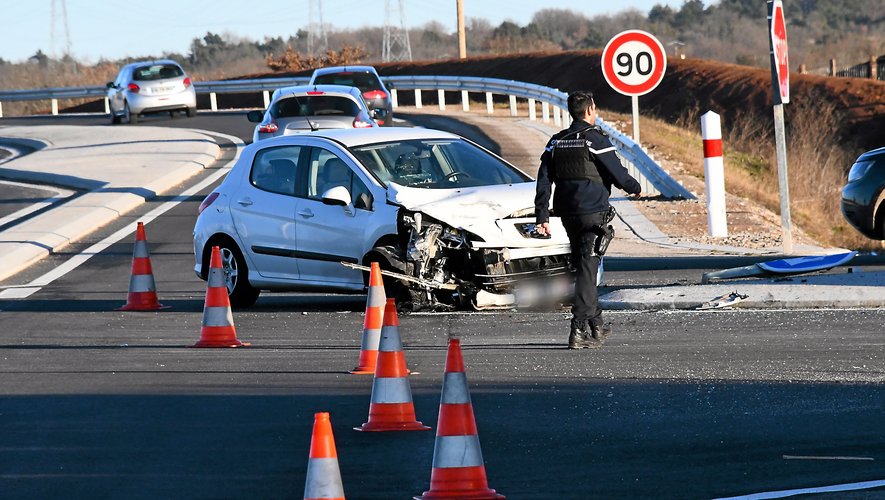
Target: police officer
582	163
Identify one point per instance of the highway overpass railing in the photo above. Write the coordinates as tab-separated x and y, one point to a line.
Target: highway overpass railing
654	179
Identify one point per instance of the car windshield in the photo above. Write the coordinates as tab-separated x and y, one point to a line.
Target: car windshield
363	81
156	72
314	105
436	164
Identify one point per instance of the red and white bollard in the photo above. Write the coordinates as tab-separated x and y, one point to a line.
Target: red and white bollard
714	174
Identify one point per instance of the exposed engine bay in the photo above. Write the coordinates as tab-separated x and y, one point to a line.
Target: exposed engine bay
452	268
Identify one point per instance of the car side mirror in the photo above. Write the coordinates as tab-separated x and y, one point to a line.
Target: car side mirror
110	85
338	195
255	116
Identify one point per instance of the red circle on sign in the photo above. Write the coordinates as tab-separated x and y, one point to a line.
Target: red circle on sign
658	57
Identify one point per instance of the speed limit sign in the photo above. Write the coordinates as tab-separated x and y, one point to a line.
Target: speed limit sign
633	62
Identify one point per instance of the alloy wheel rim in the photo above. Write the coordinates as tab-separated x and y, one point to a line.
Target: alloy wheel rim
229	266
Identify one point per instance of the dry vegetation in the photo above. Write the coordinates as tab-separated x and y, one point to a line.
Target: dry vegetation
816	165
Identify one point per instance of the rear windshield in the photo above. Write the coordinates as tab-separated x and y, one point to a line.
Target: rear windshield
156	72
362	81
314	105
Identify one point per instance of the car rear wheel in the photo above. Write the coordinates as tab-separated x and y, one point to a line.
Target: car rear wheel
131	118
115	120
236	274
191	112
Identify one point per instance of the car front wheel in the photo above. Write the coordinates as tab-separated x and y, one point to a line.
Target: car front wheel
236	275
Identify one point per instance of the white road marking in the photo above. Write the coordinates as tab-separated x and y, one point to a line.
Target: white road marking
811	457
866	485
24	291
59	194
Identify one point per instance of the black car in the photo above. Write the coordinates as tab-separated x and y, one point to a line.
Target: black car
862	198
367	80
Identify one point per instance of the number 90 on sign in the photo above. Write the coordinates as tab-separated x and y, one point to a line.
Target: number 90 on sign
633	62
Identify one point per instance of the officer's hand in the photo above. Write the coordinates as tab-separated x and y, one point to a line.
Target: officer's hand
543	228
637	196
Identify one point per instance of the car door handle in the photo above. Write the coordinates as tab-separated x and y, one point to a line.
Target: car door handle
245	202
306	213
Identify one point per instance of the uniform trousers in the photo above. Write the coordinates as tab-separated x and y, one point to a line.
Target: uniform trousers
586	264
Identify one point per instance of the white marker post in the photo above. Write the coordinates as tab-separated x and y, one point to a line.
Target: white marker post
714	175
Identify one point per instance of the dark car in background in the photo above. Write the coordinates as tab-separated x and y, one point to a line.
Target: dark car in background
863	197
367	80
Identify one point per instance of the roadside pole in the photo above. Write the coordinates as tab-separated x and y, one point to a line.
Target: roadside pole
635	101
780	78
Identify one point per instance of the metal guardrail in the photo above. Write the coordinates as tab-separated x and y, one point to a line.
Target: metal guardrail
655	180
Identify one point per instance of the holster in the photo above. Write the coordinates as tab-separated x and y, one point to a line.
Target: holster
605	233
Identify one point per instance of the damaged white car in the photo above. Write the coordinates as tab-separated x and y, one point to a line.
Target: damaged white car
451	224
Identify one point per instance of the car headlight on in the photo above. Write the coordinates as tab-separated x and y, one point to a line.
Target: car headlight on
859	170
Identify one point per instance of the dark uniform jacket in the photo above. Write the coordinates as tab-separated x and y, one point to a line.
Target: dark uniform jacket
581	196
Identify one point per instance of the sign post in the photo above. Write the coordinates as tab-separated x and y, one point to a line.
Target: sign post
780	78
633	63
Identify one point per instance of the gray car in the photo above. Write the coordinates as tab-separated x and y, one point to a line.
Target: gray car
145	87
311	107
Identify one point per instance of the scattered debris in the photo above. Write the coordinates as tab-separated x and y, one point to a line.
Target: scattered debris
723	301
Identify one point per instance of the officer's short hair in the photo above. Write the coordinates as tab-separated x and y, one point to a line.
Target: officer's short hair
578	101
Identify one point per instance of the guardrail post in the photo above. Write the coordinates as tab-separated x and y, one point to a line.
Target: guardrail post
465	101
266	95
513	105
1	110
532	116
566	119
545	112
441	94
107	106
490	105
557	120
213	101
393	99
55	106
418	98
714	174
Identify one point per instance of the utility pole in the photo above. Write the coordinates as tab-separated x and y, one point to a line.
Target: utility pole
316	33
396	40
462	38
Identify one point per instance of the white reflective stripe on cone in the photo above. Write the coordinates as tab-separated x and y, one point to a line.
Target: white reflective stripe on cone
217	316
371	339
390	341
391	390
216	278
455	389
142	283
377	297
323	479
141	249
457	451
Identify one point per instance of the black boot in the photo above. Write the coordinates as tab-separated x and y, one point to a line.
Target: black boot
600	332
581	336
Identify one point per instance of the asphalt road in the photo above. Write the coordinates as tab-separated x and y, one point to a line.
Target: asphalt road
97	403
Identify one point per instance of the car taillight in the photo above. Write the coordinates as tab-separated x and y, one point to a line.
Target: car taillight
375	94
134	88
187	82
360	122
268	127
207	201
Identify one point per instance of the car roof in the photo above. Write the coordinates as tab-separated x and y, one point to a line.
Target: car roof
152	61
344	69
359	137
303	89
874	152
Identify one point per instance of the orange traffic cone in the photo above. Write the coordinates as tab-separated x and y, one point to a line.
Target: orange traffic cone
372	325
458	469
142	289
323	474
218	321
391	408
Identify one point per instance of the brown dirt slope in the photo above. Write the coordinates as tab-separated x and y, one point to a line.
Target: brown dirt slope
688	84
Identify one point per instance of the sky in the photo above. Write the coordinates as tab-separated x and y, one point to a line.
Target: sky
116	29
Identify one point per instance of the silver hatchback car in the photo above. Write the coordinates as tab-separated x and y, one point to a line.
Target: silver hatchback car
308	108
150	87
